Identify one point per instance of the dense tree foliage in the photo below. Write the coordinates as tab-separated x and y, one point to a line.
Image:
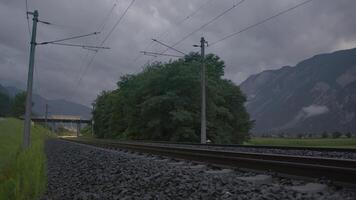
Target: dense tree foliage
18	105
163	102
4	104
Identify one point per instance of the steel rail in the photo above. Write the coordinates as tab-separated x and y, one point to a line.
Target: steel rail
306	148
338	170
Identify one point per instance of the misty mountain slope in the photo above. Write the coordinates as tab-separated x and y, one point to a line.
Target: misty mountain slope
318	94
60	107
3	90
55	107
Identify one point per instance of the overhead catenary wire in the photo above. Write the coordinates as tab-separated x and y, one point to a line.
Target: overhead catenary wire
186	18
205	24
65	26
90	49
80	45
105	20
196	11
70	38
260	22
155	40
100	29
28	21
149	53
103	42
192	14
118	22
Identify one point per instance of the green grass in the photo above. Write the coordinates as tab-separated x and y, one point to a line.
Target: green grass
22	173
307	142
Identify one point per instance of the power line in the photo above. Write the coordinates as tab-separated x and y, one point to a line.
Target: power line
82	64
186	18
155	40
28	21
260	22
65	26
100	29
107	17
70	38
44	22
149	53
107	36
206	24
118	22
88	47
86	69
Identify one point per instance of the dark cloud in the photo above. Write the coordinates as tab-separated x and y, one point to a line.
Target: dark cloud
318	27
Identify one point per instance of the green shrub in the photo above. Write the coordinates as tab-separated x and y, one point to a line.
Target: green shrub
336	134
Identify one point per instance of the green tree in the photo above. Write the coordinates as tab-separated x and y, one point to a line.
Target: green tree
4	105
324	135
163	103
348	135
300	135
336	134
18	105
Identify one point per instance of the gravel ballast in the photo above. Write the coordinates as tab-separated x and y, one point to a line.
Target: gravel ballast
77	171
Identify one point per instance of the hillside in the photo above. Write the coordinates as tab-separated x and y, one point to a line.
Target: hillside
55	106
316	95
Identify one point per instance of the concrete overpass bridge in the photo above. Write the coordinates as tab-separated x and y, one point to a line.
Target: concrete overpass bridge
53	119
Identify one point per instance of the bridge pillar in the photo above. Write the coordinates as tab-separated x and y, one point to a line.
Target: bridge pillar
53	127
78	129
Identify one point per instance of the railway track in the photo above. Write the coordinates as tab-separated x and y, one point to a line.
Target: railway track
341	171
320	149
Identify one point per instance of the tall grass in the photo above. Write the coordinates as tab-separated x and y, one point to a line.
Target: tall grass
22	173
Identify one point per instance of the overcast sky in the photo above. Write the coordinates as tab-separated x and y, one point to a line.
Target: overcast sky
321	26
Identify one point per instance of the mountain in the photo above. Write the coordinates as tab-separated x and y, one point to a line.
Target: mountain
12	91
60	107
55	107
3	90
316	95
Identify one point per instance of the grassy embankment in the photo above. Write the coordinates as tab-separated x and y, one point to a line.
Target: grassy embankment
307	142
22	173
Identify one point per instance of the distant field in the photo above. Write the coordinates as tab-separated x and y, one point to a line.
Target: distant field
310	142
22	173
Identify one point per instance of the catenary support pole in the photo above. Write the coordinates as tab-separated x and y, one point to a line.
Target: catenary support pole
203	93
46	116
92	127
92	121
27	124
53	127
